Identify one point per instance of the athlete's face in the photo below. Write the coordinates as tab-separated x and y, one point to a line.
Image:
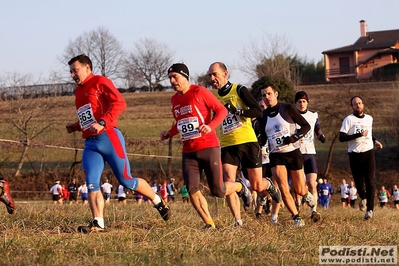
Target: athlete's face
269	96
178	82
301	105
357	106
79	72
217	76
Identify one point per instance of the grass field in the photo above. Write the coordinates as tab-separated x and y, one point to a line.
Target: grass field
41	233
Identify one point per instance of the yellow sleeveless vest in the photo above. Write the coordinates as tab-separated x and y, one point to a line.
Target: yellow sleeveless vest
235	129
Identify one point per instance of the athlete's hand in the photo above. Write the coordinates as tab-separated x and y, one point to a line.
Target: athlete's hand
291	139
322	138
205	129
378	144
70	127
231	108
164	135
96	128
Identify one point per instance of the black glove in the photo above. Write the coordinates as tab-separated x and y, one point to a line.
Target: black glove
291	139
322	138
231	108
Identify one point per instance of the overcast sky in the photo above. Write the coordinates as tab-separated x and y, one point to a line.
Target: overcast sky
34	33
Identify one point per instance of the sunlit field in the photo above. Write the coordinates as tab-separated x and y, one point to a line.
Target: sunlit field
41	233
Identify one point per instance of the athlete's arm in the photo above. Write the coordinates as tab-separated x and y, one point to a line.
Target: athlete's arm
299	120
115	100
254	109
343	137
215	105
317	130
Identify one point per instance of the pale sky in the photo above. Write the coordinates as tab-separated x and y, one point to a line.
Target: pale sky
34	33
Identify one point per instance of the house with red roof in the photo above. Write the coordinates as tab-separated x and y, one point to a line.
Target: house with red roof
371	51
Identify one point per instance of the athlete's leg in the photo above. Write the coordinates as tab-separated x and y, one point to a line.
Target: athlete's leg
93	165
230	174
281	176
369	173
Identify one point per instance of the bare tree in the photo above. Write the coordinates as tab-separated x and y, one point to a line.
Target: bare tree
27	117
273	56
147	64
102	47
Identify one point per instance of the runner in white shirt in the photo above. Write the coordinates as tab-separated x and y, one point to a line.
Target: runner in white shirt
395	195
107	189
344	189
352	194
356	129
307	147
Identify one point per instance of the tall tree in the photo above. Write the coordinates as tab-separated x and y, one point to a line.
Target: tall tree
102	47
147	64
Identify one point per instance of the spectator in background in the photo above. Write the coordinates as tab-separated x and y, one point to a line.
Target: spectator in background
344	190
171	190
107	190
395	194
383	196
326	190
73	191
163	191
184	194
352	194
56	191
154	187
121	195
84	193
5	196
138	197
65	193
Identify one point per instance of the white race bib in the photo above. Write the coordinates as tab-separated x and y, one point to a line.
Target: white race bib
188	128
231	123
86	117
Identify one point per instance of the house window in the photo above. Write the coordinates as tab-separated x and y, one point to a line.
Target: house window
344	65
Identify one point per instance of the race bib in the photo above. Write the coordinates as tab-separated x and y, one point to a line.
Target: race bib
188	128
231	123
277	140
325	192
86	117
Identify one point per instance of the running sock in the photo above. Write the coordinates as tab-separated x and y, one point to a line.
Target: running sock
156	200
100	221
239	187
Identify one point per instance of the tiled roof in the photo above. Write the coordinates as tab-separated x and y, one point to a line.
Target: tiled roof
373	40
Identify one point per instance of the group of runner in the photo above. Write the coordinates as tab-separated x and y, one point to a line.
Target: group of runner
287	132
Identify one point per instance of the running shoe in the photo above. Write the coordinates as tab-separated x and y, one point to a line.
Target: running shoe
163	210
298	221
245	194
208	227
315	216
362	205
258	216
273	191
92	227
368	215
5	197
308	199
274	220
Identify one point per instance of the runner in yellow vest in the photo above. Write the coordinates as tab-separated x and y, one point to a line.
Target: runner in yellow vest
238	140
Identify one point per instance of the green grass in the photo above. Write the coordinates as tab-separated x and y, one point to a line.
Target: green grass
41	233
